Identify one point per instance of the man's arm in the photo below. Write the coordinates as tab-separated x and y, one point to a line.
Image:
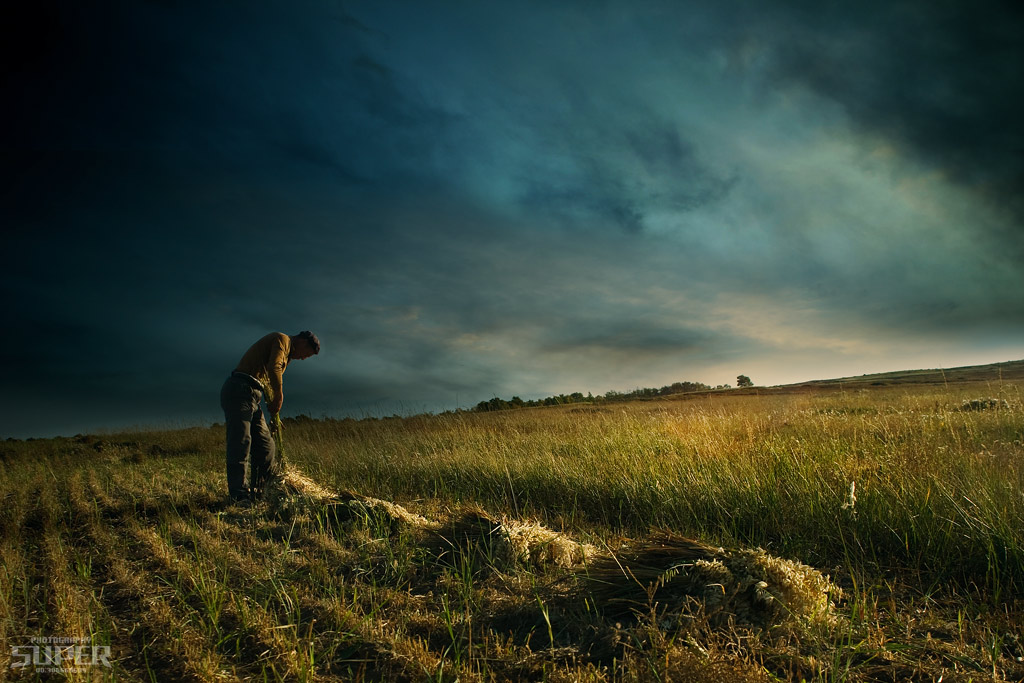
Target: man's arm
278	362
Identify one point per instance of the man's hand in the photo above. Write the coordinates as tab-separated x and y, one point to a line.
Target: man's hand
275	426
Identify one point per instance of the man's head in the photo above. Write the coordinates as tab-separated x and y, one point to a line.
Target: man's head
304	345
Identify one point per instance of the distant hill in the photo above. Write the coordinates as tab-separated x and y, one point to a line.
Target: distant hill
993	372
1013	369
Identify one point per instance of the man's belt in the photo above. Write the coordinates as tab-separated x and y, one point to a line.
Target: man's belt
248	379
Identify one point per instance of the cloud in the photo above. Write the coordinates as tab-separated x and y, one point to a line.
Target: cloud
932	81
524	199
621	165
626	339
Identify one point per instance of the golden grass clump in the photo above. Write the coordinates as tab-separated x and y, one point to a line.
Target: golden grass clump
677	575
791	588
297	483
537	546
391	515
472	533
509	543
297	493
506	543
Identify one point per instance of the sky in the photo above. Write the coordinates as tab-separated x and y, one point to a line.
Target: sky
475	199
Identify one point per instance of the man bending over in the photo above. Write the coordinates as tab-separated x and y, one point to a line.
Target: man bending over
260	375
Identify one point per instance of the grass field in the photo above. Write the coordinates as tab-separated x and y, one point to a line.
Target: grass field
891	523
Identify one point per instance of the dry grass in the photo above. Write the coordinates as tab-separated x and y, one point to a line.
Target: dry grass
618	543
673	576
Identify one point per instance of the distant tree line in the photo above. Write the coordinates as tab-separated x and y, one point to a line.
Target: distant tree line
577	397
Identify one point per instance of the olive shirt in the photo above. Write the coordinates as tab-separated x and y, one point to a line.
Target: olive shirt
266	360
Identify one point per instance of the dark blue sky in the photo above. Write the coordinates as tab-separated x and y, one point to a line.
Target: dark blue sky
474	199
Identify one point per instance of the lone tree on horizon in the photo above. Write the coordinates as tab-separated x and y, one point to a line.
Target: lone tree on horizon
744	381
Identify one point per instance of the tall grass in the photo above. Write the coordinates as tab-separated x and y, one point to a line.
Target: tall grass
127	539
937	490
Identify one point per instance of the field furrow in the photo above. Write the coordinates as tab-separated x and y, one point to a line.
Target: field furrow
151	631
291	597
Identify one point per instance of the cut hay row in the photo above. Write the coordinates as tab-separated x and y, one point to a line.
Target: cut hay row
195	590
536	545
297	493
677	574
514	541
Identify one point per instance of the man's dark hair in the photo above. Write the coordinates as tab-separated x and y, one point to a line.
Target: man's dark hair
311	338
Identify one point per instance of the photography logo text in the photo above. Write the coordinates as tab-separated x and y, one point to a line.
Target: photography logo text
58	654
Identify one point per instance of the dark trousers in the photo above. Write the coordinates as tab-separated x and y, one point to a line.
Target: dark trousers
250	446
